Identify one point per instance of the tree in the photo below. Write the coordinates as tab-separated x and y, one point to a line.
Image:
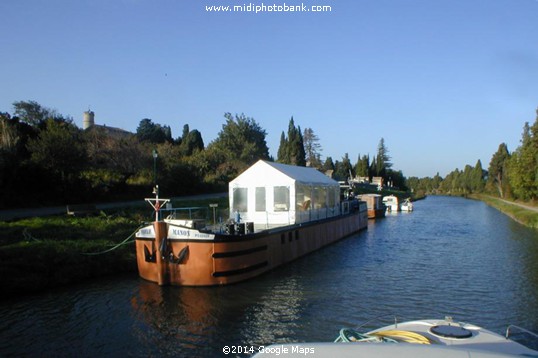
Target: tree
373	168
9	159
452	182
424	186
296	147
186	131
184	134
328	165
343	170
396	179
382	159
465	182
468	180
312	148
291	149
148	131
191	142
498	168
58	149
436	182
477	178
362	166
9	137
113	160
33	113
240	143
523	164
283	155
178	174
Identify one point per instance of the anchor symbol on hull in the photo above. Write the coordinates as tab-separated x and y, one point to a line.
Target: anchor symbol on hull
150	256
181	256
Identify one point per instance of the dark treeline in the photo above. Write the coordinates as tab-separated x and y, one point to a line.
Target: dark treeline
512	175
45	159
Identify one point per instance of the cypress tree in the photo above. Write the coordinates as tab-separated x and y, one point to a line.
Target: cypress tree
291	149
282	155
498	168
301	153
477	177
293	142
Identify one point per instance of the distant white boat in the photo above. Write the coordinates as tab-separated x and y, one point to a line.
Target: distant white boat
391	202
407	205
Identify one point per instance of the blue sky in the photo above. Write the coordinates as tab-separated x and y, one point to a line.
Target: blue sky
444	82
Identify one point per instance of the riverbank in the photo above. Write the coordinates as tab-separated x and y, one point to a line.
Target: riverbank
40	253
523	213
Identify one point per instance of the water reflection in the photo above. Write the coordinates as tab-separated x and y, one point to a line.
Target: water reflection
450	256
168	314
524	269
202	318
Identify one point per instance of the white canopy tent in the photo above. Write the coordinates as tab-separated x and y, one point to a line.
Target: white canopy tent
274	194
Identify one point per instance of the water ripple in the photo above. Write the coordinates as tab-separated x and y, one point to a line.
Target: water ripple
451	256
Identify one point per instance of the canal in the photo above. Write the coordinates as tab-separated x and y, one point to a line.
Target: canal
451	256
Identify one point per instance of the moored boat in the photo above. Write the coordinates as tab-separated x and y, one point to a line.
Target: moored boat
374	202
391	203
422	338
277	213
406	205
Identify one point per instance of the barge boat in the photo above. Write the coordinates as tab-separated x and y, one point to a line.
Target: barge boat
278	213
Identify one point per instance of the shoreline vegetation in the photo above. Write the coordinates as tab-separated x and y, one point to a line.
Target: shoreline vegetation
524	213
41	253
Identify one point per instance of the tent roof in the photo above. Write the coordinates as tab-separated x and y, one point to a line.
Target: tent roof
301	174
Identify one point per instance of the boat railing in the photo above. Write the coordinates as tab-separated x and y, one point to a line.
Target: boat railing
512	327
195	212
522	336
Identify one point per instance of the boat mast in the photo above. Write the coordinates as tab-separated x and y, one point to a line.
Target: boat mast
156	203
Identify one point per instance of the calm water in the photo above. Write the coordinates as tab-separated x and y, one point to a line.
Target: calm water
451	256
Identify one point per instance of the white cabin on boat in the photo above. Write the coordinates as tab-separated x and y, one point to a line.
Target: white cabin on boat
275	194
391	202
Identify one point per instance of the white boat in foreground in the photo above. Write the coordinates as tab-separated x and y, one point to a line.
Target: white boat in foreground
424	338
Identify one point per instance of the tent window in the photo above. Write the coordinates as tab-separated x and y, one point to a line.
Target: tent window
260	199
240	200
302	197
282	198
320	200
332	196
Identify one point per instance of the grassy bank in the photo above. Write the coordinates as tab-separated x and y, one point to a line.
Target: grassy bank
47	252
40	253
522	215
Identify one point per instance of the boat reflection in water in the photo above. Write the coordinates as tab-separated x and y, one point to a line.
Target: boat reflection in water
168	316
181	320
